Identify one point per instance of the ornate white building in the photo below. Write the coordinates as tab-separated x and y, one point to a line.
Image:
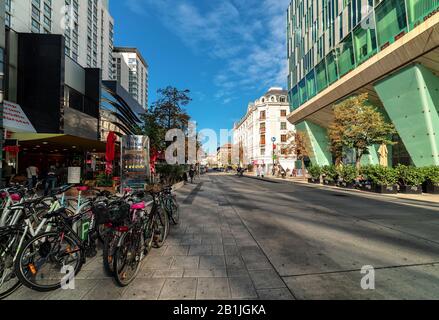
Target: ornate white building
263	132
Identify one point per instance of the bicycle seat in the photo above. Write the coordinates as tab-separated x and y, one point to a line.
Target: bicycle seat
15	197
60	190
82	188
138	206
56	213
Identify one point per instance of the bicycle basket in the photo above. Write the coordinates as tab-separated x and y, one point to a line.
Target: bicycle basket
101	212
119	212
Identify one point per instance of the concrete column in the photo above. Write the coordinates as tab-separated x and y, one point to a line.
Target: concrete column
411	99
319	142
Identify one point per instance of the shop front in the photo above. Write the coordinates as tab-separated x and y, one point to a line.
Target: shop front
60	151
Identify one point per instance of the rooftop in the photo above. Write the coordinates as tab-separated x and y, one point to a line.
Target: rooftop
131	50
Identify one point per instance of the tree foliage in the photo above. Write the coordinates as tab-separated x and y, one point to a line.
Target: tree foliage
298	144
358	125
165	114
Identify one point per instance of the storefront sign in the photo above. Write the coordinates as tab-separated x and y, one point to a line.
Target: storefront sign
14	118
74	175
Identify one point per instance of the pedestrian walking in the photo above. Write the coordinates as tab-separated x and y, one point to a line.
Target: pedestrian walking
32	176
192	173
50	180
7	173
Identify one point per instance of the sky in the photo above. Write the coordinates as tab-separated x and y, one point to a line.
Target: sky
226	52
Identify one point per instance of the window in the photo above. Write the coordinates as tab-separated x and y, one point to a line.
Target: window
283	113
283	138
263	152
263	115
263	142
263	128
283	126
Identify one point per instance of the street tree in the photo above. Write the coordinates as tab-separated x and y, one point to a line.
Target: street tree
165	114
298	145
169	108
358	125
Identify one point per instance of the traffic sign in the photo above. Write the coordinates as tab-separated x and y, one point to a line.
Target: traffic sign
273	139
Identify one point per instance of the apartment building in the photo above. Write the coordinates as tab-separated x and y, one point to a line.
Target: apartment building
131	71
86	25
261	133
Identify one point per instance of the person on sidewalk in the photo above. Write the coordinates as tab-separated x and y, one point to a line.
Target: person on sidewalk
32	176
7	173
192	173
50	180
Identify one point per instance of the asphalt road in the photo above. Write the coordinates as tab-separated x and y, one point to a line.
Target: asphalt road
318	241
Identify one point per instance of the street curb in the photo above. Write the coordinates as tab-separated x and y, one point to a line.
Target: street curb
178	186
348	191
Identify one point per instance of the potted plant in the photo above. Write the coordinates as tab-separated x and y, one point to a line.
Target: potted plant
314	172
365	182
347	176
432	179
410	179
104	182
384	180
329	175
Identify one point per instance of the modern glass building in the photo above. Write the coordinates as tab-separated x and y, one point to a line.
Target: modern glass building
388	48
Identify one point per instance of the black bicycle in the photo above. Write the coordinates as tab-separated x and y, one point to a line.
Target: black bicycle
170	204
146	229
50	260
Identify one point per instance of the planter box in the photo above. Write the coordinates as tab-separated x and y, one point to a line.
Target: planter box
432	189
366	187
347	185
329	183
386	189
314	181
411	189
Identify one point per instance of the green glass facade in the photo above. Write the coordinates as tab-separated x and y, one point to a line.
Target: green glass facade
329	38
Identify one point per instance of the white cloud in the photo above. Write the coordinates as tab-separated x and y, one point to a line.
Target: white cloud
247	35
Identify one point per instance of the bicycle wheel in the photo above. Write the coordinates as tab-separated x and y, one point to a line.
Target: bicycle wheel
47	261
127	258
160	227
9	244
175	210
111	241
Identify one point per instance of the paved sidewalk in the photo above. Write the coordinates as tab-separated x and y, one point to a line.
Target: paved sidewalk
210	256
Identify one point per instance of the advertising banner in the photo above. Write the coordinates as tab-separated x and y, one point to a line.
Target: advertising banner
135	158
14	118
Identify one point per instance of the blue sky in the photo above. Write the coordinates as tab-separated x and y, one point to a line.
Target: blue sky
227	52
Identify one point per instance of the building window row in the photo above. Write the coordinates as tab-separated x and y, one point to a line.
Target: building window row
314	64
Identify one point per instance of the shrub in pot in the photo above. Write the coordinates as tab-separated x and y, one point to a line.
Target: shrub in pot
347	176
330	175
315	172
384	179
365	182
431	175
103	180
410	179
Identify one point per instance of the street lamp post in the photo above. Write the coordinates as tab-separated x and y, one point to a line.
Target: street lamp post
273	155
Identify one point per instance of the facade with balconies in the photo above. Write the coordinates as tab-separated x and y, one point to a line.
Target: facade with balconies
265	119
